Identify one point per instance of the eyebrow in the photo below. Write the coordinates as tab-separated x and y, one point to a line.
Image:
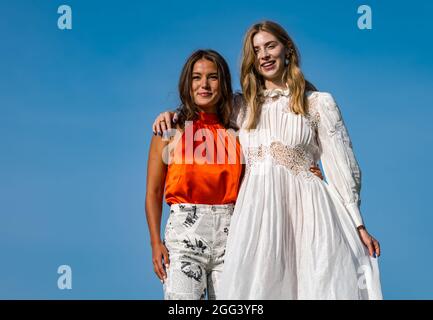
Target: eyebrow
212	73
267	43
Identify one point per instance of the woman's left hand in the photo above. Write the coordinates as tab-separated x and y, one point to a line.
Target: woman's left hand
371	243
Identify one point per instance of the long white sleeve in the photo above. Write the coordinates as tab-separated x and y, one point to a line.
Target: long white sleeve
338	160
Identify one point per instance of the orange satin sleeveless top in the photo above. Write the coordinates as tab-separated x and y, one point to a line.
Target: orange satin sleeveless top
206	165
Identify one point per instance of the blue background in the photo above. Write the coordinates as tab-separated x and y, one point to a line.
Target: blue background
76	108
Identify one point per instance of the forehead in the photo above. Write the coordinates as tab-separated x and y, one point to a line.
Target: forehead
203	65
262	37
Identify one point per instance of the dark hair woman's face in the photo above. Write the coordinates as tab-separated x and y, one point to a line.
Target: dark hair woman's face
205	89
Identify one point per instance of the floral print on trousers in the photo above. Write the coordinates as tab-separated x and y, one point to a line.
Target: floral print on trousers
195	236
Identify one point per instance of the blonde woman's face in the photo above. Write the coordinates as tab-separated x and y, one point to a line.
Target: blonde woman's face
205	85
270	55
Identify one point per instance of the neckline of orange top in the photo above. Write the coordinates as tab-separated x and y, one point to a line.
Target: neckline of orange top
209	118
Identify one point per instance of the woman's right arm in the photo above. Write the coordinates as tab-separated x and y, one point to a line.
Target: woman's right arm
156	173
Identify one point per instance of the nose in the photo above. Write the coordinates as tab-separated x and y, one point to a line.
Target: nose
204	82
263	54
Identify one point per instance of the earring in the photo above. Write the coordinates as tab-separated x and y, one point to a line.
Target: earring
286	61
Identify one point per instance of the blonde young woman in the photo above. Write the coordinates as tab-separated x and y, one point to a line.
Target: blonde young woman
292	235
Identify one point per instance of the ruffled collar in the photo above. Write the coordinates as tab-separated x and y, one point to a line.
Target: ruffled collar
272	93
209	118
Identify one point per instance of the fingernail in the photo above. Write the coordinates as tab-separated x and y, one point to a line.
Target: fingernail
162	281
160	133
154	133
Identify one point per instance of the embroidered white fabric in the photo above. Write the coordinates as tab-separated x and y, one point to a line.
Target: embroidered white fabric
293	235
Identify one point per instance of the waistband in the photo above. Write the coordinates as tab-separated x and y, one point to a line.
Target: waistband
213	208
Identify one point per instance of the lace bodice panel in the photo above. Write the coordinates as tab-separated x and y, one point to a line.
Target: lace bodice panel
281	136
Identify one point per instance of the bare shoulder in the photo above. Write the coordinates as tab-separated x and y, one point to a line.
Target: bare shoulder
167	138
157	143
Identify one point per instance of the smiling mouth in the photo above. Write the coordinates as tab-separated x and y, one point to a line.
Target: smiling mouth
268	64
205	94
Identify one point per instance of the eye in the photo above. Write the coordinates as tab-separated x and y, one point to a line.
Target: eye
214	77
195	78
271	46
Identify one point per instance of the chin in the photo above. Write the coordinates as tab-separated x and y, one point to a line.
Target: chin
269	75
203	103
274	75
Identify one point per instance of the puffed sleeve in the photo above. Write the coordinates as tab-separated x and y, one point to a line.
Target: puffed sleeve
340	166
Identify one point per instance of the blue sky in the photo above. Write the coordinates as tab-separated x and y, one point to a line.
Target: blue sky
76	108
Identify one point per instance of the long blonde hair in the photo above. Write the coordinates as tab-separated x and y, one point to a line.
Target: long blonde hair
252	82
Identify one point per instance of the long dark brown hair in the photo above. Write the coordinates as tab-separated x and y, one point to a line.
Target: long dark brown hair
188	111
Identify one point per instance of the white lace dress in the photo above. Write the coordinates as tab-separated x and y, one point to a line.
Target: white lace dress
293	235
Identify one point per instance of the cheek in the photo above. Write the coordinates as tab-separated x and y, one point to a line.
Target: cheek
256	63
278	54
194	87
257	67
215	86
